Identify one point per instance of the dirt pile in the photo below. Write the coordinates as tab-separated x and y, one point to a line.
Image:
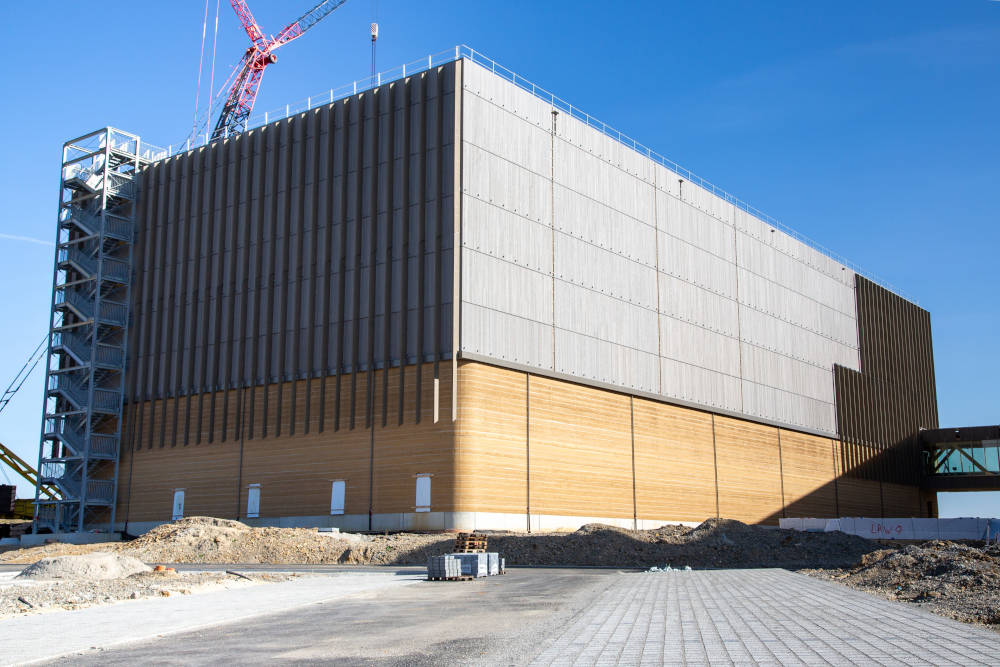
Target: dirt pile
715	543
954	580
211	540
85	567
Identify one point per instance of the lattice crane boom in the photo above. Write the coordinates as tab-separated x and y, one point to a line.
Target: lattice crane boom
260	54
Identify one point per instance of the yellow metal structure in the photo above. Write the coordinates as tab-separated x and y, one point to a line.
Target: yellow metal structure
26	471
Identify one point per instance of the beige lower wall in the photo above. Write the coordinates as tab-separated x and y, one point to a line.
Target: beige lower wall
674	462
519	445
295	470
689	464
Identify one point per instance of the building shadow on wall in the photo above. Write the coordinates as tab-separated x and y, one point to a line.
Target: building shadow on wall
883	483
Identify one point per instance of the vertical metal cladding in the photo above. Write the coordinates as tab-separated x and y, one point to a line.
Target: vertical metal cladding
881	409
319	246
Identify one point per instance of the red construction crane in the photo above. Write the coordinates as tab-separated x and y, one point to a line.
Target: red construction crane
259	55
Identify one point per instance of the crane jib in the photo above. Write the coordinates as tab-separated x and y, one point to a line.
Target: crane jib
243	93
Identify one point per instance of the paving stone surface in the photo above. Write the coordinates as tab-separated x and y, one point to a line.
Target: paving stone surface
758	617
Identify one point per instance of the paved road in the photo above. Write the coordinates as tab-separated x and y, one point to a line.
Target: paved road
582	617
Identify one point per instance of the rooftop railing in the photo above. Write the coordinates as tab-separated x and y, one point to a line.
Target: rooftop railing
468	53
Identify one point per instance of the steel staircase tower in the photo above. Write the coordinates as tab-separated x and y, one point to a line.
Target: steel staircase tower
85	365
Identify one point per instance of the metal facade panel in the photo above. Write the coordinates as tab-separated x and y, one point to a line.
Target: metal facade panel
589	175
682	222
506	337
506	135
504	95
505	185
688	382
697	266
788	407
769	332
595	222
696	345
506	235
781	372
690	303
773	264
603	317
642	261
791	306
506	287
604	361
603	271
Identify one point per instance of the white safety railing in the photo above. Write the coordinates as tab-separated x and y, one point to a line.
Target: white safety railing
468	53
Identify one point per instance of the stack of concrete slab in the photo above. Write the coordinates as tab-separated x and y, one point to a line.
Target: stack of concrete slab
493	560
474	565
444	567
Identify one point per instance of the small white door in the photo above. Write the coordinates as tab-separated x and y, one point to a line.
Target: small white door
337	497
423	493
253	501
178	512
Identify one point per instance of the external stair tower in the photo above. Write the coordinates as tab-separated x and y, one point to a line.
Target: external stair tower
85	365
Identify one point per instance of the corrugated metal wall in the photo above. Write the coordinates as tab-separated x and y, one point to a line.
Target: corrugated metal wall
582	257
316	246
882	408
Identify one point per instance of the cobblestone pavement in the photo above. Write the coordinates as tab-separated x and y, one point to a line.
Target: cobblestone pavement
766	617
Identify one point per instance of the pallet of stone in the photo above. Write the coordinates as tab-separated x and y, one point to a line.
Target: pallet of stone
474	564
443	567
467	543
493	562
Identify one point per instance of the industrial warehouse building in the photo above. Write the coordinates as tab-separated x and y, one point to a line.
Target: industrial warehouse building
449	303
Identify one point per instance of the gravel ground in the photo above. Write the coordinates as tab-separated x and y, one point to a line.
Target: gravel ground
957	581
954	580
26	597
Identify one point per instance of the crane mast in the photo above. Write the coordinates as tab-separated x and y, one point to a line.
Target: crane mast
243	93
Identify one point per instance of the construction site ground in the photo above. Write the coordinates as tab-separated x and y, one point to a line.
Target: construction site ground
389	615
957	581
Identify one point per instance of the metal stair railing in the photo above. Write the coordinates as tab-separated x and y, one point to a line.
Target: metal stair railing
74	344
114	227
83	262
69	436
103	445
89	178
100	490
122	230
112	312
113	269
84	219
105	400
84	307
111	356
70	390
122	186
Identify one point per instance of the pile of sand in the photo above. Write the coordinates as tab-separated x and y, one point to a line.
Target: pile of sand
86	567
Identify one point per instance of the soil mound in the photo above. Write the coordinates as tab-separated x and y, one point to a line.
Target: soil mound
86	567
955	580
201	539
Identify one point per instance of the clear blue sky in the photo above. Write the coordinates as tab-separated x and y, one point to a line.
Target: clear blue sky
870	127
